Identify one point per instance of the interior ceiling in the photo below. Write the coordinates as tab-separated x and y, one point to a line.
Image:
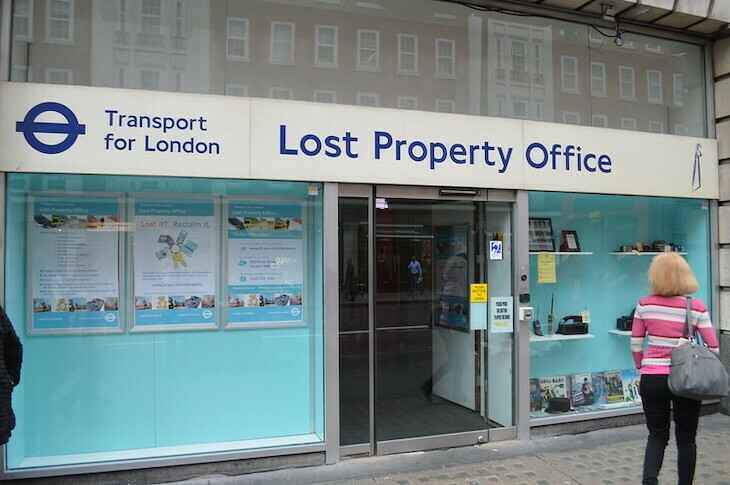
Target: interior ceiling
706	18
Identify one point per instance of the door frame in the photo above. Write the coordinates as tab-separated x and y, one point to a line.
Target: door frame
372	193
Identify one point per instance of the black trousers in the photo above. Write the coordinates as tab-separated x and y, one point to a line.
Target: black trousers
660	405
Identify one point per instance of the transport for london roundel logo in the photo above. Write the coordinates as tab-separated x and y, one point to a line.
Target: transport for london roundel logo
69	130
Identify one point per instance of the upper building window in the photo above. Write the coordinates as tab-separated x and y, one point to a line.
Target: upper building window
626	86
407	54
598	79
23	19
569	66
237	39
60	21
149	80
368	99
407	102
59	76
445	58
325	47
282	43
151	23
679	90
368	50
654	87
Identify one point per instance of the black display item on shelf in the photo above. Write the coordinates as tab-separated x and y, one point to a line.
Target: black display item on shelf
625	322
572	325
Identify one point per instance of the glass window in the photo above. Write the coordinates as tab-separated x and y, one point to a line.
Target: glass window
23	20
627	87
571	118
282	43
237	39
600	121
654	86
324	96
550	65
407	102
407	54
445	58
678	89
628	124
59	20
277	92
569	74
59	76
368	99
155	343
151	22
236	90
656	127
609	241
368	50
598	79
445	106
325	46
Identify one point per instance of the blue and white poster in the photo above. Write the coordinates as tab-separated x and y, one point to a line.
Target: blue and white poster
74	264
265	262
175	256
452	275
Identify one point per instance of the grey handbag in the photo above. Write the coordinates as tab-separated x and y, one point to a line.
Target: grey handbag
695	371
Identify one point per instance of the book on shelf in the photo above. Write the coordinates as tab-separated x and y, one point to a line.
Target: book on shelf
614	387
554	386
630	380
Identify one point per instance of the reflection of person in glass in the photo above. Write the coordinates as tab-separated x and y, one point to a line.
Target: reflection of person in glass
348	286
416	273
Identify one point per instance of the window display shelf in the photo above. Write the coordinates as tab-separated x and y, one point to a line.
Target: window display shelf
620	332
564	253
621	254
552	338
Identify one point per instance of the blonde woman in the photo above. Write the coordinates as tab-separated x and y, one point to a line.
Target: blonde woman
659	322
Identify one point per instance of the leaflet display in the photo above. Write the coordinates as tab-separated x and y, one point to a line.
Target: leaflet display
175	256
74	264
265	263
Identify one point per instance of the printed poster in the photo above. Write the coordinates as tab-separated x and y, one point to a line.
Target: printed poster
74	263
452	277
175	253
265	262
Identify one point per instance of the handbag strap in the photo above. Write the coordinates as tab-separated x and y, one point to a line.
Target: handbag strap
688	333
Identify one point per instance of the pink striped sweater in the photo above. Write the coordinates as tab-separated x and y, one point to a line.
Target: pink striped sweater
657	328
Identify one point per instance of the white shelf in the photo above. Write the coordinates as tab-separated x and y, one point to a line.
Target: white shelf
557	336
564	253
620	332
644	253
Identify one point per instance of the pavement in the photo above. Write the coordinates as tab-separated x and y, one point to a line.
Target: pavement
604	457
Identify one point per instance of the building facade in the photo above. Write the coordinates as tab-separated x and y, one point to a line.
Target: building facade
308	230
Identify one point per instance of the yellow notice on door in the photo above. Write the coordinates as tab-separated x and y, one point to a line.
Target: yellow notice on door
546	268
478	293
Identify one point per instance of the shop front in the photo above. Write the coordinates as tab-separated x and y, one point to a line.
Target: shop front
198	278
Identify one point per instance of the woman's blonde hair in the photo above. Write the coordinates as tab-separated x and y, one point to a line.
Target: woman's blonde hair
670	275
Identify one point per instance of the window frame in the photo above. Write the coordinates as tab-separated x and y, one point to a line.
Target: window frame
568	76
402	53
449	59
288	43
319	45
375	66
69	39
245	39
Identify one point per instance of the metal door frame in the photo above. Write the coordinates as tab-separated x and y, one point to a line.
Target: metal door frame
373	448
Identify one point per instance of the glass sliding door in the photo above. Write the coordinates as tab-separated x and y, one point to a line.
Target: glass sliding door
428	363
415	356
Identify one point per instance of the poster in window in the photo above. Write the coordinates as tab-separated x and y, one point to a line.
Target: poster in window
451	274
175	256
74	264
265	263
